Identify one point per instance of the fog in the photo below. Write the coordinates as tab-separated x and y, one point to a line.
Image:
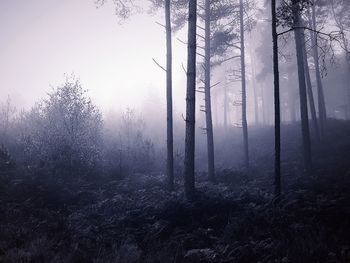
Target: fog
174	131
43	41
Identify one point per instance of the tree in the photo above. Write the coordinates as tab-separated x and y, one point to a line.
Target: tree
63	132
189	168
310	92
314	41
298	36
244	92
207	83
224	41
220	32
277	180
341	15
170	144
290	16
217	40
123	9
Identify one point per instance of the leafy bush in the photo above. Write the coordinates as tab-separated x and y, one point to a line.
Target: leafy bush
63	132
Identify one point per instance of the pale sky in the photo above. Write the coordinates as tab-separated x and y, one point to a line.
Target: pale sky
44	39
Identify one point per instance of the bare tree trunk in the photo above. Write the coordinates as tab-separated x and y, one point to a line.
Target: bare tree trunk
298	32
215	98
263	106
208	115
190	102
310	93
169	99
256	105
225	108
277	180
321	99
244	92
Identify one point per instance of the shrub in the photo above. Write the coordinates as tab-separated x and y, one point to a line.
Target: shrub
63	132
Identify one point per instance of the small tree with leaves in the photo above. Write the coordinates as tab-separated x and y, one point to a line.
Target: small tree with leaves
63	132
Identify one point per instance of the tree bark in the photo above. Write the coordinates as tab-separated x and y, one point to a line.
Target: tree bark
169	99
244	95
298	33
189	169
277	179
208	114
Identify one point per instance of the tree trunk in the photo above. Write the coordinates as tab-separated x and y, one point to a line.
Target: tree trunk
310	93
256	105
298	33
190	102
277	179
256	96
225	108
208	115
244	95
263	106
215	98
321	99
169	99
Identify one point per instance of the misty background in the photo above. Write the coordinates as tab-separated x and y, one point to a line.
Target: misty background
44	40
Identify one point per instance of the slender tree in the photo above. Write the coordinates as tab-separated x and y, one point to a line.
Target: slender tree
321	99
341	14
189	168
255	88
225	107
298	35
217	40
169	98
277	180
244	93
207	87
310	92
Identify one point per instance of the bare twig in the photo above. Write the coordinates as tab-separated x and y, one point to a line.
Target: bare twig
158	64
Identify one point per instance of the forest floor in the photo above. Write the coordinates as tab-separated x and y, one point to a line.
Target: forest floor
136	220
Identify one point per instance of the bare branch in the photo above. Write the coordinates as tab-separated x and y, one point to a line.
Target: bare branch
160	24
215	84
158	64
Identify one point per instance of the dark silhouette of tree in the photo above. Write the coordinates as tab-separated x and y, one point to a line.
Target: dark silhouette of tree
207	87
314	42
124	9
244	89
169	98
221	30
298	36
310	92
218	39
189	168
277	180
